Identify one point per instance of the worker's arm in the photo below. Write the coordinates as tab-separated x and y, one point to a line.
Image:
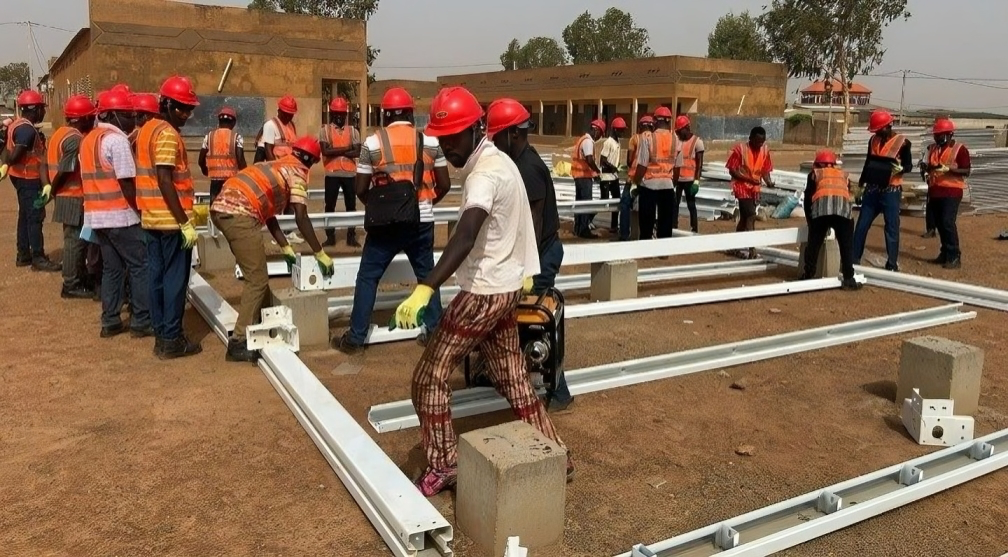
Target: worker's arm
810	186
458	248
537	217
698	158
442	183
590	159
240	156
906	157
202	162
305	226
638	176
268	148
362	183
767	170
962	163
278	235
128	187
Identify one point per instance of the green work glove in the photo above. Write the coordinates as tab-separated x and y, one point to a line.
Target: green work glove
43	197
290	256
694	187
188	235
633	189
897	168
3	171
325	264
410	313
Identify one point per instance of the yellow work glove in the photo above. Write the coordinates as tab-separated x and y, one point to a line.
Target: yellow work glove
943	168
527	285
290	256
3	171
410	313
897	168
325	264
43	197
188	235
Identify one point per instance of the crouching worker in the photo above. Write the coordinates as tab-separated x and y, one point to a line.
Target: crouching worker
248	201
828	206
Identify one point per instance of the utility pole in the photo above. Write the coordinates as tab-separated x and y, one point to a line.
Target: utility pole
31	52
902	96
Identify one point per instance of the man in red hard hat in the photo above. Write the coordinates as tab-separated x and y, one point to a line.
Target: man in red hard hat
609	159
828	207
945	169
165	198
688	167
652	179
247	202
749	165
279	132
585	171
223	153
397	164
145	105
493	257
629	214
341	146
889	158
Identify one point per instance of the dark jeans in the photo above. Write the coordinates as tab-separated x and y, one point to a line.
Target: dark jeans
333	185
74	258
930	220
657	212
873	203
124	254
168	266
583	191
817	230
683	188
215	188
611	189
29	223
379	250
946	211
550	260
625	206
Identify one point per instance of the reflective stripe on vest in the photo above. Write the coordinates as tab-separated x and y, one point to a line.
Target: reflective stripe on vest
339	138
54	154
687	172
891	150
288	134
149	199
398	145
945	156
100	187
220	158
831	182
661	159
579	165
30	165
264	187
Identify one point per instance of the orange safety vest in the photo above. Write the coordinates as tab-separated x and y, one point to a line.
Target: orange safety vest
632	154
830	181
752	167
288	134
687	172
155	214
220	159
132	137
945	156
100	187
398	156
30	165
662	155
579	165
264	186
339	138
890	150
54	153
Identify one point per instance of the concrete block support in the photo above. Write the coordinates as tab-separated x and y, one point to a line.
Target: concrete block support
614	280
511	482
828	265
310	311
215	253
941	368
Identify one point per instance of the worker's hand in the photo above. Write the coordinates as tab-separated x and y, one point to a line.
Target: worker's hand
694	187
897	168
527	285
943	168
43	197
410	313
188	235
597	178
290	256
325	264
3	171
633	189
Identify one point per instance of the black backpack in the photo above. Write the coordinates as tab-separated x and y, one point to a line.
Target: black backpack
392	206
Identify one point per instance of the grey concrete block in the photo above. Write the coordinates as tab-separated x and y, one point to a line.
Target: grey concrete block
614	280
214	253
828	265
941	368
311	313
511	482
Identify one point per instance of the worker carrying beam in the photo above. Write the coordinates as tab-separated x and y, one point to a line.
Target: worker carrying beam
341	145
247	202
493	257
828	207
585	171
749	165
688	167
945	168
223	152
652	179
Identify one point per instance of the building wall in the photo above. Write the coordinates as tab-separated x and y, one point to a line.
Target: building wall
71	74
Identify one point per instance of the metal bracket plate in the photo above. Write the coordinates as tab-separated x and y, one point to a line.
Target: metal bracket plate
277	329
930	421
513	548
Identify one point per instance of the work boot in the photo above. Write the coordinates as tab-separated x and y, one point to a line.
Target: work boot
351	238
557	405
940	260
158	346
45	265
570	467
893	268
145	332
850	284
347	346
434	481
929	234
237	351
23	259
953	263
330	239
78	293
179	348
113	330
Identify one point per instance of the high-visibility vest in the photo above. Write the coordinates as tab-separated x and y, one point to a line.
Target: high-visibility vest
288	134
830	181
54	153
579	165
752	167
890	150
661	159
632	154
155	214
220	158
687	172
98	179
264	186
945	156
30	165
398	146
339	138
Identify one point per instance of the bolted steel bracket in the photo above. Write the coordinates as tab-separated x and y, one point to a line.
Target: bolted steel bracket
277	329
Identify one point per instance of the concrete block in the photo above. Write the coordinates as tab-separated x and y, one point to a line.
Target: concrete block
214	253
614	280
941	368
511	482
828	265
310	313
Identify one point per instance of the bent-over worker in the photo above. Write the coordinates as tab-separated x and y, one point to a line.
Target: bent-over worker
828	206
948	165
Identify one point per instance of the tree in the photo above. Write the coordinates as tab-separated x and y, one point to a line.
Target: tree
538	52
738	37
14	78
830	39
613	36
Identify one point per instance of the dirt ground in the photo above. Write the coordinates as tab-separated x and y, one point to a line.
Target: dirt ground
108	451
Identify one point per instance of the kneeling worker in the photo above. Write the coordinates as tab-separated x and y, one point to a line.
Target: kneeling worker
828	205
250	200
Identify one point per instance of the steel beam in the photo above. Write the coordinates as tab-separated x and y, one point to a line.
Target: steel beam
215	310
399	415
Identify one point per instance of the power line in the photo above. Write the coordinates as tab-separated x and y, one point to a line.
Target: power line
36	25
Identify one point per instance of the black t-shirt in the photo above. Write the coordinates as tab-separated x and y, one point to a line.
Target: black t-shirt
539	187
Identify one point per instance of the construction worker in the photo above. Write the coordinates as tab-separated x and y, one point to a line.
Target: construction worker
688	167
145	105
250	200
341	146
946	168
493	257
389	163
629	215
108	175
223	152
68	206
165	198
828	207
279	132
585	170
652	180
609	159
889	157
749	165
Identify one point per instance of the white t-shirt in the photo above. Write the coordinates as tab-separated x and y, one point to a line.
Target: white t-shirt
698	148
271	133
239	142
505	251
588	146
611	151
371	155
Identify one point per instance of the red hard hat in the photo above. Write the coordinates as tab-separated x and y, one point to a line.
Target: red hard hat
453	110
146	102
646	119
121	88
30	98
943	125
179	89
396	98
308	145
663	112
504	113
681	122
618	123
287	104
599	123
878	120
825	156
229	112
114	100
339	104
78	106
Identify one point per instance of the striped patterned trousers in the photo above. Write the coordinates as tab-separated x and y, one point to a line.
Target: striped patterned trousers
473	322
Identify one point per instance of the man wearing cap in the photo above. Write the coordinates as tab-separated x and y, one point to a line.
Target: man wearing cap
946	167
585	170
652	179
223	152
688	166
609	159
341	146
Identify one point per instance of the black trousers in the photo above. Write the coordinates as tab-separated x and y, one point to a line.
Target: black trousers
656	214
333	185
611	190
929	215
818	228
681	189
946	212
215	189
747	215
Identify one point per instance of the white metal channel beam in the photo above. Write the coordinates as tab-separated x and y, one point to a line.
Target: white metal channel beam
809	516
215	310
399	415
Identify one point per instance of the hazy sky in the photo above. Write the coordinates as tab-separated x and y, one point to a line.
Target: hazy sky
421	39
